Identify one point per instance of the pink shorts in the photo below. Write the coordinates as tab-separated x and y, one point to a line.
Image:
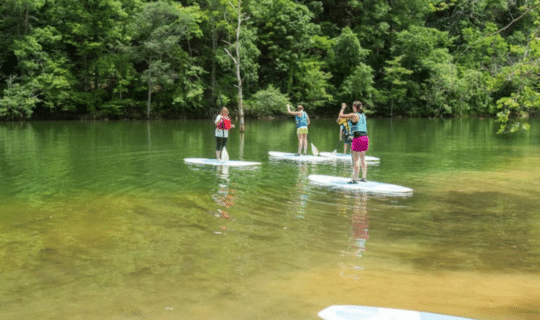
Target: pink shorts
360	144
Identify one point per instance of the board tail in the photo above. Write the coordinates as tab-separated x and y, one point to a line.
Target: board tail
224	154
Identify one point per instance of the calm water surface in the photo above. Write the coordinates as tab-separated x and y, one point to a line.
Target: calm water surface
106	221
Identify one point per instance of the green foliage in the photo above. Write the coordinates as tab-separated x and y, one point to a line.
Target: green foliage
110	58
267	102
517	83
345	56
284	31
313	85
396	78
159	28
47	69
18	101
359	85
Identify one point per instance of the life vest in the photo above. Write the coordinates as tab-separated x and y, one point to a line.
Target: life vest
301	121
345	125
224	124
360	126
345	130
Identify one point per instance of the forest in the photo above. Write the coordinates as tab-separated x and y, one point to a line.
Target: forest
166	59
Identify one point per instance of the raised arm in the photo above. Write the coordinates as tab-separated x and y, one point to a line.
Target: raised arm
351	116
294	113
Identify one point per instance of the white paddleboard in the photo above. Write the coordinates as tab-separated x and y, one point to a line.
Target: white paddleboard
346	157
215	162
344	312
293	157
368	186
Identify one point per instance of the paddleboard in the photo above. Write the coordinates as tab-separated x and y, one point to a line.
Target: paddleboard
368	186
346	157
215	162
344	312
293	157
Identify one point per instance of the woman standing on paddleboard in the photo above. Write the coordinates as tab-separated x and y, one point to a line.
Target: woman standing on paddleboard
302	123
360	141
223	124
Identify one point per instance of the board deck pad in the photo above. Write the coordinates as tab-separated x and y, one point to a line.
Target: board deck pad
216	162
345	312
293	157
368	187
346	157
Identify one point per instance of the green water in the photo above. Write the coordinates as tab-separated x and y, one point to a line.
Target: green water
106	221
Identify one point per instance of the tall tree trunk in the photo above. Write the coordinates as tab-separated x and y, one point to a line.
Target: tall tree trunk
239	79
238	75
236	60
214	48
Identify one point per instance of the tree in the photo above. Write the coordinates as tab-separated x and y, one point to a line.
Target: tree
345	56
45	69
235	56
395	77
19	101
267	102
159	29
359	85
285	38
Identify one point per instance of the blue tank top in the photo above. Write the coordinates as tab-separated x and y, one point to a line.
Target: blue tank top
301	121
360	125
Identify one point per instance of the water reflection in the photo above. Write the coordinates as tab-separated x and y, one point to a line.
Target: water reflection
301	190
358	238
224	196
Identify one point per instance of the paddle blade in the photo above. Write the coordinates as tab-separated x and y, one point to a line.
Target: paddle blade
224	154
314	150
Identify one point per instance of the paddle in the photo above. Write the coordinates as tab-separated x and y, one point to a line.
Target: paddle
224	154
337	145
314	150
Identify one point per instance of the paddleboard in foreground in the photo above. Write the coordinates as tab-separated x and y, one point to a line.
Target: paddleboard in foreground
293	157
216	162
346	157
344	312
342	183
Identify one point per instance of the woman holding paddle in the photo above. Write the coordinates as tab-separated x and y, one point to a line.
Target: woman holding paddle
302	123
223	124
360	141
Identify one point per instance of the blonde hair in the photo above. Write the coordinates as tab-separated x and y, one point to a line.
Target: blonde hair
224	110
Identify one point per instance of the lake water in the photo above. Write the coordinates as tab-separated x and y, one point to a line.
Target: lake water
106	221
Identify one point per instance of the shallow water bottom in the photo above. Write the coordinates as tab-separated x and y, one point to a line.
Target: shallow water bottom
297	295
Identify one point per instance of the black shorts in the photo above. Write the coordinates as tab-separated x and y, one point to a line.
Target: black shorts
220	143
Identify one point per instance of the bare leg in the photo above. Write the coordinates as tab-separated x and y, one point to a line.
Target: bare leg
218	152
364	165
300	141
305	143
356	164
